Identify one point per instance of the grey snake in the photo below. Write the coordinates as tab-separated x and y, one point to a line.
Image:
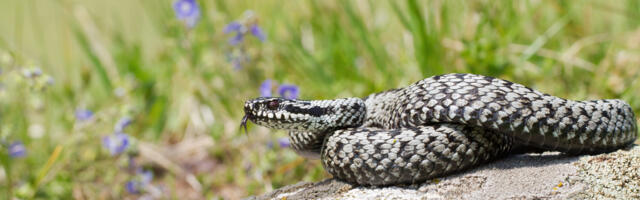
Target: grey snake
441	125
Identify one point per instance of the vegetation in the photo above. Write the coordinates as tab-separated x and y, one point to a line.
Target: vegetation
126	99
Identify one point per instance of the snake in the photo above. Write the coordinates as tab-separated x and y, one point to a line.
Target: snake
439	126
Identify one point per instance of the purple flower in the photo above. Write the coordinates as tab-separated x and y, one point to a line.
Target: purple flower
36	72
17	149
288	91
50	80
265	88
241	31
132	187
285	90
142	179
237	63
83	114
121	124
116	143
233	27
257	31
187	11
235	40
146	176
27	73
284	142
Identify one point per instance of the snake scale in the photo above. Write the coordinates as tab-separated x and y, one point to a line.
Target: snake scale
440	125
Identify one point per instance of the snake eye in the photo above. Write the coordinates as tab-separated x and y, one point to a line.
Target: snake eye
272	105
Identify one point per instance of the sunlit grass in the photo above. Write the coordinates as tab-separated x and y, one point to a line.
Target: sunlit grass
184	87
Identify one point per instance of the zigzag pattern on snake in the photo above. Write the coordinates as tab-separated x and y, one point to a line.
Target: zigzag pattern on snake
441	125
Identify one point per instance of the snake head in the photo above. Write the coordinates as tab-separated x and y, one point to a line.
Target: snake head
302	115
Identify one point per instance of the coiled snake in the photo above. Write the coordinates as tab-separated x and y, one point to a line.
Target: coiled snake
440	125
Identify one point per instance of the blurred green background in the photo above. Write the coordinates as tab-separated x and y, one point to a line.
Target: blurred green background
74	72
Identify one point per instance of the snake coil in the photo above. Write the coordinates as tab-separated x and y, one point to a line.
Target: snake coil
441	125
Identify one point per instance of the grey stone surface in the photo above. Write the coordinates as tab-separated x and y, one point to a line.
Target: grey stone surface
548	175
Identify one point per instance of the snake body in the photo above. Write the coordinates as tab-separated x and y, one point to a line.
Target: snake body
441	125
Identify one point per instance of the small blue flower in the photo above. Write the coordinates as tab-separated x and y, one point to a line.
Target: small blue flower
187	11
17	149
146	176
121	124
233	27
50	80
116	143
265	88
235	40
83	114
257	31
241	30
138	183
36	71
27	73
288	91
238	58
132	187
237	64
284	142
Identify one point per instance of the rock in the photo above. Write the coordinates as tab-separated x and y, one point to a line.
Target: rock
550	175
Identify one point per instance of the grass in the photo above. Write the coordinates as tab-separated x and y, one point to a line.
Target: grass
179	85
